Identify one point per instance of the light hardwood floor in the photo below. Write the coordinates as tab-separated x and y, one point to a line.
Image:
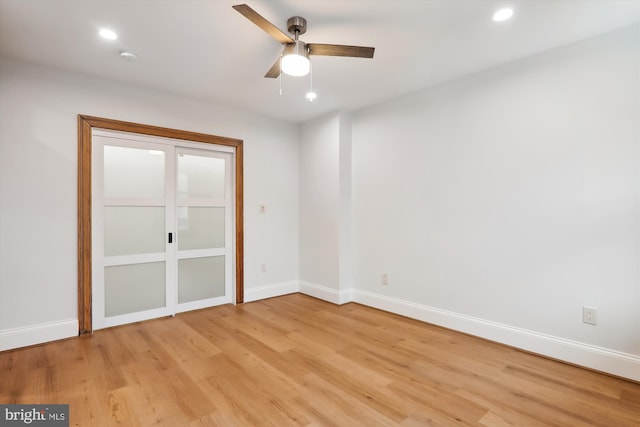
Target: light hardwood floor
295	360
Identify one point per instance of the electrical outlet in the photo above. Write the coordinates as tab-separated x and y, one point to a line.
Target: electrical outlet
589	315
263	209
385	279
263	268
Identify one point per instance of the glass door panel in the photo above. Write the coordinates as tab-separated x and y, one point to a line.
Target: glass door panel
134	230
200	227
134	172
201	177
201	278
134	288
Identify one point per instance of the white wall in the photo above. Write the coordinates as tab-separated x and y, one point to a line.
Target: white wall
319	163
504	202
325	208
38	178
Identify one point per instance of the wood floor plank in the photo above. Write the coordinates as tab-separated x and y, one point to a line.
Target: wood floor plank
298	361
264	332
259	372
335	406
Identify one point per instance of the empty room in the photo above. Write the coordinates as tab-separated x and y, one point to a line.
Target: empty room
320	213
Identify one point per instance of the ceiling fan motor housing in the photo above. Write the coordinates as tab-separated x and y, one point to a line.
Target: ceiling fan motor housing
297	25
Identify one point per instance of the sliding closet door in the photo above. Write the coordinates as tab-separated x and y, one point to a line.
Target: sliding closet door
132	200
204	215
162	228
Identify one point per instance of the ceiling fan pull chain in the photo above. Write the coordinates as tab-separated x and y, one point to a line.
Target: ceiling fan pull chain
311	95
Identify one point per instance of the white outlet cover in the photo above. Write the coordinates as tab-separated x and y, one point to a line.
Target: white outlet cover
590	315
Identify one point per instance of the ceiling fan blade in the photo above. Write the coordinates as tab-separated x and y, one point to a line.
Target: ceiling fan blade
340	50
261	22
274	71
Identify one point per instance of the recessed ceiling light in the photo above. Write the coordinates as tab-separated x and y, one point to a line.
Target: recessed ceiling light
503	14
311	96
108	34
129	56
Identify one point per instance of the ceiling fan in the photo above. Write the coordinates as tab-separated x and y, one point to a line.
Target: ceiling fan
295	56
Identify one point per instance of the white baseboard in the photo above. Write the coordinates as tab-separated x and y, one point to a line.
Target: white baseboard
328	294
37	334
270	291
601	359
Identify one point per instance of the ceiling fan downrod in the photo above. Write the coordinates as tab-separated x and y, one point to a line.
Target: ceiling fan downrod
297	26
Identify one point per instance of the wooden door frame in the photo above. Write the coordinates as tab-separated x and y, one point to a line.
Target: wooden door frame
85	126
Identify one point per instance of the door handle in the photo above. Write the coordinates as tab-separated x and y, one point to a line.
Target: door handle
170	237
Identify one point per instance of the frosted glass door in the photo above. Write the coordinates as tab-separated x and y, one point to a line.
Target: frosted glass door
162	228
203	219
132	196
134	224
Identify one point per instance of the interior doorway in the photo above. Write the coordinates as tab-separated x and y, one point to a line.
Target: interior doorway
188	237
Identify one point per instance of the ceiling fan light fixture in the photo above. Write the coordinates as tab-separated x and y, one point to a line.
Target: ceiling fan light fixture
295	59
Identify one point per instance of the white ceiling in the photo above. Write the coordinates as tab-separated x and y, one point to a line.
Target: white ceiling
207	50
